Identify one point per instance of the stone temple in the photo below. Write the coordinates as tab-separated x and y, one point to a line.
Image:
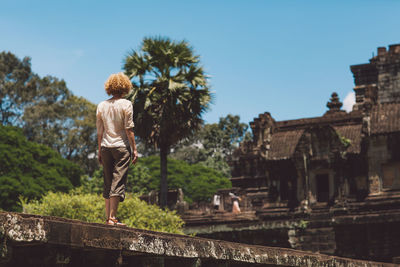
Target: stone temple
329	184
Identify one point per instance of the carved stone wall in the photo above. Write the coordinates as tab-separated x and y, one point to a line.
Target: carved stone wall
378	157
32	241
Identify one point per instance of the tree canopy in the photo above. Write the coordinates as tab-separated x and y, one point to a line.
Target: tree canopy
170	95
17	86
47	111
64	122
198	182
213	143
30	170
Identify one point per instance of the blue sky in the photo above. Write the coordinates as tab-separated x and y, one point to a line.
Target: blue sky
285	57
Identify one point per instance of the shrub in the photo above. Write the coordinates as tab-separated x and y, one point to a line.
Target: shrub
90	208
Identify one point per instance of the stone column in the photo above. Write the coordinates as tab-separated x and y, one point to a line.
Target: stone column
377	155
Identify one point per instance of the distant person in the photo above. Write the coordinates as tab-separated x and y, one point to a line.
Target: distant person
235	203
216	201
116	141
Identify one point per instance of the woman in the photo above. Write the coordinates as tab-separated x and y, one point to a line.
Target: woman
235	203
116	140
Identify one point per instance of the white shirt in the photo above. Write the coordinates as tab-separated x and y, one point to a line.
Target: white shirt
113	117
217	200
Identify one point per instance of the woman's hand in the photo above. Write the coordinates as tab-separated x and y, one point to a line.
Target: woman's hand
99	159
131	138
134	156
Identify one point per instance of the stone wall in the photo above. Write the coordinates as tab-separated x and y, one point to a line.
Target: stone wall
380	76
377	155
363	230
380	241
314	239
29	240
388	64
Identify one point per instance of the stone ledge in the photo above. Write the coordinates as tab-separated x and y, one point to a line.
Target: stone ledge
62	239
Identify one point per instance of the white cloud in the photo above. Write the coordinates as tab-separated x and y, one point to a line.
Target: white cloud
349	101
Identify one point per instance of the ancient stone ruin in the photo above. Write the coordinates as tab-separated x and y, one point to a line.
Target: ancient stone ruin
41	241
328	184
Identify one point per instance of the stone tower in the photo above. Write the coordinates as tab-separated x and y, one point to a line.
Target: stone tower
379	80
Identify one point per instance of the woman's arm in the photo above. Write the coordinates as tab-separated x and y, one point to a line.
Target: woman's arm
100	131
99	138
131	138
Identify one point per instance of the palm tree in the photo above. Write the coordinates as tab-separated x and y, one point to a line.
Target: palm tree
170	94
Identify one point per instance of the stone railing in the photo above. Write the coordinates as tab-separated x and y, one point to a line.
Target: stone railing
31	240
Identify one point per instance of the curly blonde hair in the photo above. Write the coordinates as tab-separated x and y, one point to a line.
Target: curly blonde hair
118	84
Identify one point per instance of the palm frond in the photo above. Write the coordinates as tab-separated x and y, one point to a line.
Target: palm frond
170	90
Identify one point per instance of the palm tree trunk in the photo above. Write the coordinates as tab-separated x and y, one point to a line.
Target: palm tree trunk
164	173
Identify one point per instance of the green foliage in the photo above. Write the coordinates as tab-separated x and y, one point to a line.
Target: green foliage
345	141
47	111
225	136
217	162
17	87
139	178
139	214
30	169
198	182
213	143
84	207
64	122
94	184
303	224
137	182
90	208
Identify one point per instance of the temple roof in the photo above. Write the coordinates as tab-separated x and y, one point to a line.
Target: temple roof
354	117
283	144
281	141
287	134
385	118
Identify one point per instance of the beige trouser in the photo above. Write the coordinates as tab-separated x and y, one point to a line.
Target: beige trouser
115	170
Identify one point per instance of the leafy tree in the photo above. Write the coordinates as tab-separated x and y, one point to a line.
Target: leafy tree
90	208
213	143
30	169
17	87
225	136
170	94
48	112
198	182
65	122
220	140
